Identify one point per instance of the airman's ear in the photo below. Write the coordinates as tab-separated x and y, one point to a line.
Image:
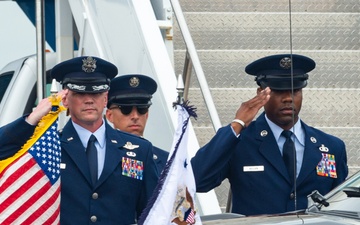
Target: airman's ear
109	115
106	100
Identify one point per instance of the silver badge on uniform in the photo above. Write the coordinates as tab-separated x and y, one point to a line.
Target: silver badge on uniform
263	133
313	140
131	154
70	139
100	87
130	146
76	87
323	148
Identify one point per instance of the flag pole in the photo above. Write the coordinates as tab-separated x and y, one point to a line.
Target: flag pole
180	89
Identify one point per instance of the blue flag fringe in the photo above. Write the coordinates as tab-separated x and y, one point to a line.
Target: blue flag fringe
191	110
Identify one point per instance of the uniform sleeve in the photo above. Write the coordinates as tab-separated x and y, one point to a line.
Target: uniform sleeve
150	180
341	164
211	162
13	136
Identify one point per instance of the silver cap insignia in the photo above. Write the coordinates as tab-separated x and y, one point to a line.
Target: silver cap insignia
100	87
76	87
285	63
134	81
89	65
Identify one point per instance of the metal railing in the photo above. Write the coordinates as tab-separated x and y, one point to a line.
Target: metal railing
192	62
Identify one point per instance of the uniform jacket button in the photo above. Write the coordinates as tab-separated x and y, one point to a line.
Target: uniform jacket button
93	219
155	157
95	196
292	196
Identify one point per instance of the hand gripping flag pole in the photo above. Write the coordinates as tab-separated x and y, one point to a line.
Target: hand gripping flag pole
30	180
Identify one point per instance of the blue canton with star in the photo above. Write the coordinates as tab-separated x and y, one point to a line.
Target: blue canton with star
47	153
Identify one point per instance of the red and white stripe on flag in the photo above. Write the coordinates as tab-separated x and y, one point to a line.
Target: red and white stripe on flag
30	184
191	217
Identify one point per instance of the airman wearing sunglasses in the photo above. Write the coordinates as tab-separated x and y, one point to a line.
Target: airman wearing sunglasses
252	155
128	107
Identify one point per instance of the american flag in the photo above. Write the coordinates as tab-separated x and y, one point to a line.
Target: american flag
30	180
191	217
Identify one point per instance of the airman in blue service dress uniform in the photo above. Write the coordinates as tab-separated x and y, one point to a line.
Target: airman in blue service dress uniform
252	160
126	173
129	100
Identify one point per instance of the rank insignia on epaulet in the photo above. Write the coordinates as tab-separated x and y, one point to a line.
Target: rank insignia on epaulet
130	146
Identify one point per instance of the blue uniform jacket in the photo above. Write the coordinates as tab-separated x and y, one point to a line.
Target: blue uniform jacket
160	158
269	190
115	198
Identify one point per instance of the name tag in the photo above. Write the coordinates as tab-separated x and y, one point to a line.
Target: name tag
253	168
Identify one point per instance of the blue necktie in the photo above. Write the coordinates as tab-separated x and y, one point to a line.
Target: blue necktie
91	153
289	155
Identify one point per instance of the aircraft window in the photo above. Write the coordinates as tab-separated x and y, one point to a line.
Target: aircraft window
5	79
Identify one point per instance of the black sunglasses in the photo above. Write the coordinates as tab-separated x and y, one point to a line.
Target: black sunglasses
126	110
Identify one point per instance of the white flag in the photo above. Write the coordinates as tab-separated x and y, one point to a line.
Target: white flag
173	202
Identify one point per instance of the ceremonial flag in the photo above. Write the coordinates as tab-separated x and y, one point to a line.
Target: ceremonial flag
173	201
30	180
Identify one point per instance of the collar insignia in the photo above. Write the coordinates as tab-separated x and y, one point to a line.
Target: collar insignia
313	140
263	133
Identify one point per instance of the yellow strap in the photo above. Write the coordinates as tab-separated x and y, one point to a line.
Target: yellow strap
40	129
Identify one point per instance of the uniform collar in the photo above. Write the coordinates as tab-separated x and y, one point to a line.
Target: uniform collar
84	134
297	130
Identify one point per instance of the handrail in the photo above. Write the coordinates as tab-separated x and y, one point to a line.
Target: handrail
193	58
